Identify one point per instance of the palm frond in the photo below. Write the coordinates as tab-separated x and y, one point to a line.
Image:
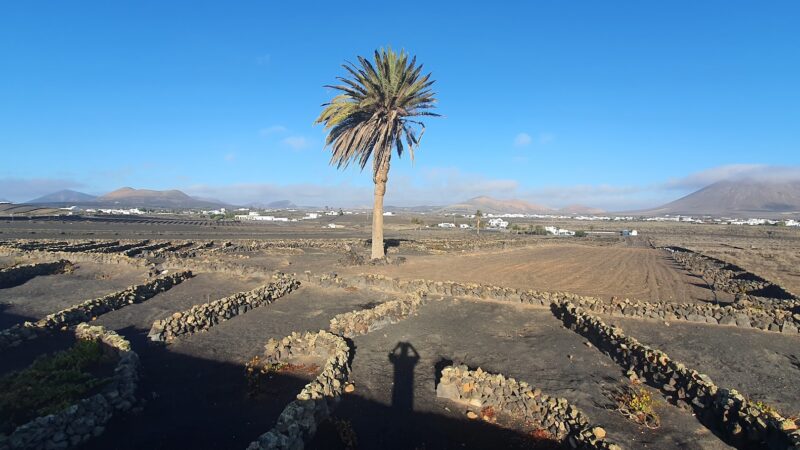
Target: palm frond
372	114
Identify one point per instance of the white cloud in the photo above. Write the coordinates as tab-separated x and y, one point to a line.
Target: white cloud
273	129
522	140
230	157
296	142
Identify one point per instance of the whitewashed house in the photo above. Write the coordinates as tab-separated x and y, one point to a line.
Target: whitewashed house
498	223
446	225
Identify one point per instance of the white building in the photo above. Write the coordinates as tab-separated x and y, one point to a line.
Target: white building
311	216
498	223
333	225
388	213
559	231
792	223
446	225
464	226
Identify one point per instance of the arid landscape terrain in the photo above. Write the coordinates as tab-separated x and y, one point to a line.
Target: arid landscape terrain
261	336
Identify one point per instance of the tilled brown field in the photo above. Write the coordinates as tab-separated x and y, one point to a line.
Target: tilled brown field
602	271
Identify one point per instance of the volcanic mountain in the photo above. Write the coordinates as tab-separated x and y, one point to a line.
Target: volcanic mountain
64	196
496	206
147	198
740	197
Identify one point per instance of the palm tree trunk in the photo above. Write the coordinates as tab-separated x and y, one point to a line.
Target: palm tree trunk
380	179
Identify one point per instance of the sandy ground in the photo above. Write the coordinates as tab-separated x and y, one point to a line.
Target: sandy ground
762	365
48	294
603	271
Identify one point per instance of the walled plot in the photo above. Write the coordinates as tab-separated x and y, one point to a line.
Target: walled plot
84	420
202	317
41	296
727	277
394	395
386	340
738	420
479	389
765	367
87	310
16	275
299	420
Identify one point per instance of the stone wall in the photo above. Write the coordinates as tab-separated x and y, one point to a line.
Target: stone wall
727	277
14	276
298	422
86	311
204	316
77	257
774	318
80	422
479	389
362	322
739	421
146	248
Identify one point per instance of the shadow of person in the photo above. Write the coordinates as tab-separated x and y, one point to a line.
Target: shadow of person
404	357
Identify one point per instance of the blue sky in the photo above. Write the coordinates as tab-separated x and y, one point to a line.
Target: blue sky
611	104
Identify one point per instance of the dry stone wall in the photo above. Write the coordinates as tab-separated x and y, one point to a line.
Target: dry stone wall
16	275
89	309
776	319
727	277
480	389
739	421
86	419
298	422
357	323
202	317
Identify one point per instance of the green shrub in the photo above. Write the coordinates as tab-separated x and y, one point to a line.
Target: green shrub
50	384
580	233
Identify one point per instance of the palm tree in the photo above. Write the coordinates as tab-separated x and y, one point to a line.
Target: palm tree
376	110
478	215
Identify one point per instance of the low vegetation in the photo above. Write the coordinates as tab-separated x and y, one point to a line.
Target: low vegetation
636	404
50	384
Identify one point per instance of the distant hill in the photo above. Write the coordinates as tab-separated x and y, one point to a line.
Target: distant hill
281	204
147	198
580	209
496	206
63	196
744	197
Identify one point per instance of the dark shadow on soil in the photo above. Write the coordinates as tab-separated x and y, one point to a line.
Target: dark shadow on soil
378	426
8	319
193	402
403	357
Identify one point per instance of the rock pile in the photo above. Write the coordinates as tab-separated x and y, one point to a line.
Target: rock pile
80	422
89	309
298	422
479	389
740	422
362	322
16	275
204	316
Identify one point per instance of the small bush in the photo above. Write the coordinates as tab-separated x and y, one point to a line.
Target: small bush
580	233
50	384
636	404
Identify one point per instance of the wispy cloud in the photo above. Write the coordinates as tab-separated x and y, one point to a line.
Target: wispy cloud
272	129
760	172
522	140
546	138
230	157
263	60
296	142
